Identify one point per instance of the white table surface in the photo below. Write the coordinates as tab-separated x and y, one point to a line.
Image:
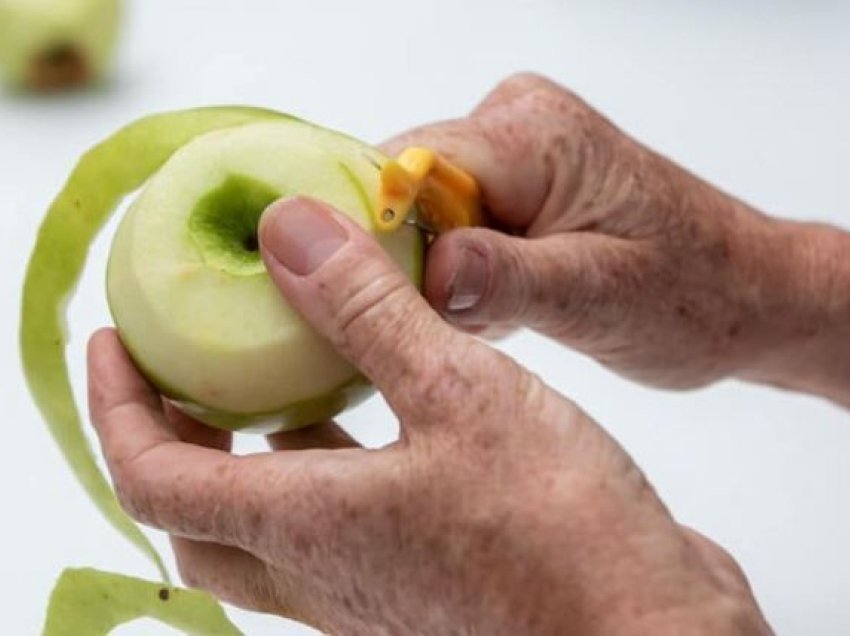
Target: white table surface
753	96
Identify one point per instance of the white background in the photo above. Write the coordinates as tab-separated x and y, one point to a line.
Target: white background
752	95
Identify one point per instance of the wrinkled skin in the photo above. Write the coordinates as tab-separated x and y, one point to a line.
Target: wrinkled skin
502	508
621	254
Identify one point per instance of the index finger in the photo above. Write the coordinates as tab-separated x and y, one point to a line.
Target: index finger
187	490
512	143
500	151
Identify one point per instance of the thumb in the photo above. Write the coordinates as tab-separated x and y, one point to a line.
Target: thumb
479	278
350	290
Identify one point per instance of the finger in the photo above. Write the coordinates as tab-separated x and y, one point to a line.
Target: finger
185	489
230	574
525	144
190	430
352	293
504	157
554	284
515	87
116	390
322	435
719	561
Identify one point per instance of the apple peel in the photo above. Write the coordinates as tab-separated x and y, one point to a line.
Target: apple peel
103	176
91	602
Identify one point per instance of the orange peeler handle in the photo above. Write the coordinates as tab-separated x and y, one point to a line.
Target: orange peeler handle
444	195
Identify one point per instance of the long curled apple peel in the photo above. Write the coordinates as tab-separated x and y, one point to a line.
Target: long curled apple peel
93	603
103	176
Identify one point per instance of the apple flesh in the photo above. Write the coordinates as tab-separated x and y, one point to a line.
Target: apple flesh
189	293
56	44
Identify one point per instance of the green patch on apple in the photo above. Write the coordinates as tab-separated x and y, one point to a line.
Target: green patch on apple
223	224
56	44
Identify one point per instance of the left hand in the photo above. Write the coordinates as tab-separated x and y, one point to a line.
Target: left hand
503	508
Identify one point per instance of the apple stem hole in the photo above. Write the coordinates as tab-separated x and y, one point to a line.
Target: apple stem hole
251	243
225	221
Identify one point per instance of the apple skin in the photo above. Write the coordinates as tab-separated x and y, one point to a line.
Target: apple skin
56	44
191	298
297	415
320	408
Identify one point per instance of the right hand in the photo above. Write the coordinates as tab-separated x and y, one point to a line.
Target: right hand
616	251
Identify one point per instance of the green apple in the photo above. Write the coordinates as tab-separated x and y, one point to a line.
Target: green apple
246	173
52	44
189	292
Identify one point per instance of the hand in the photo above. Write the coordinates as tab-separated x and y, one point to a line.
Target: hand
623	255
502	508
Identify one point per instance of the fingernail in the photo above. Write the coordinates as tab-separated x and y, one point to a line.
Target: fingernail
467	285
300	234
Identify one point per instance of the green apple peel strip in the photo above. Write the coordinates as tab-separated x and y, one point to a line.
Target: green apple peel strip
88	601
93	603
103	176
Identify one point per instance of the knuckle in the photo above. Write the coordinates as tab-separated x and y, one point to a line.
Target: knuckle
527	91
520	282
527	81
132	494
370	305
540	93
378	311
357	284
